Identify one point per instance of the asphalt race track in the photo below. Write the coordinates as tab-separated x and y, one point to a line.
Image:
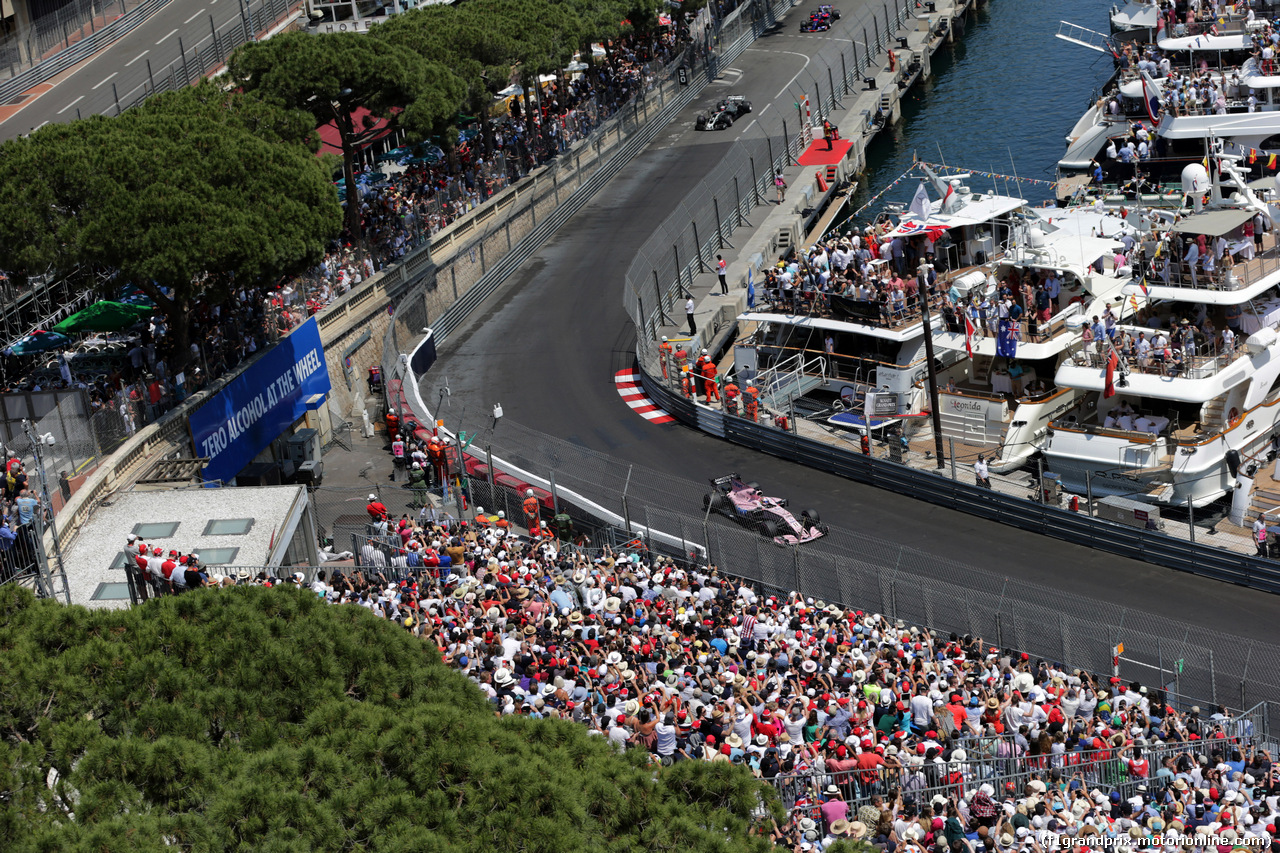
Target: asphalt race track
548	344
87	87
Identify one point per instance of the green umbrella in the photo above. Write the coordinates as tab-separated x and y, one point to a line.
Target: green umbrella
104	317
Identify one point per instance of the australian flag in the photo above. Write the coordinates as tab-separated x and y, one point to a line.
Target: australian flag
1006	340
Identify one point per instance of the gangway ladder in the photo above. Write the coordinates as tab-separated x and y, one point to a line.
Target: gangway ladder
790	378
1085	37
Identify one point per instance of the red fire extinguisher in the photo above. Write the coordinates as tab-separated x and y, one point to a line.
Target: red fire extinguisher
866	446
1075	503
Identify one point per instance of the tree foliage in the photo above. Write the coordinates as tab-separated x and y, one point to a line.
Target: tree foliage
262	719
332	76
195	192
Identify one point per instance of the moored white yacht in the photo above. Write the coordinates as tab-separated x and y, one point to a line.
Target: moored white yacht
1001	399
1164	423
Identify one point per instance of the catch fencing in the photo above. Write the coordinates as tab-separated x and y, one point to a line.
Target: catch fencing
492	247
1196	665
686	242
75	436
57	41
196	61
989	761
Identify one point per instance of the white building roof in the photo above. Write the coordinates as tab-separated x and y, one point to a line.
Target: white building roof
178	519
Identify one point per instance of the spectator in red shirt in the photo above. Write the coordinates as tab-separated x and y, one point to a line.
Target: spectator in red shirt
765	723
869	764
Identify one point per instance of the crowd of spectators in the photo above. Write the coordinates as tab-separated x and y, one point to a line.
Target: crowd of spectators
401	208
870	729
129	377
20	507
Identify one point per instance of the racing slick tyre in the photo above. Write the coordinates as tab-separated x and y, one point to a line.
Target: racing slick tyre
700	123
811	515
715	502
769	527
753	485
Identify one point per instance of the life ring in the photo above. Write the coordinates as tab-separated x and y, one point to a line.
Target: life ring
1233	415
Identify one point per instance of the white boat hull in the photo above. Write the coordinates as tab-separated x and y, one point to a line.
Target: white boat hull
1163	472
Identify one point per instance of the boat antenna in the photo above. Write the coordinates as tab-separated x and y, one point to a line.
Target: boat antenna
1014	165
941	157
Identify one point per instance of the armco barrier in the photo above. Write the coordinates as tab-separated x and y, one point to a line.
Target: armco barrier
1148	545
79	51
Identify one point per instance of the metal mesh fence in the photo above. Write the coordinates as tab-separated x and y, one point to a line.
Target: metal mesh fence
73	438
58	30
22	558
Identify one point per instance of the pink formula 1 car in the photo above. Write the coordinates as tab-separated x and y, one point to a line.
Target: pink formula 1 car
746	504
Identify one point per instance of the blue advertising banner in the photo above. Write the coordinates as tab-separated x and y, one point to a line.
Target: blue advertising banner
261	403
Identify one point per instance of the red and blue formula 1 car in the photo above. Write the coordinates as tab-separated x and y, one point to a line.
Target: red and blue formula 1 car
746	504
821	20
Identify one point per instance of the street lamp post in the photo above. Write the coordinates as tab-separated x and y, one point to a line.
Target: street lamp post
38	443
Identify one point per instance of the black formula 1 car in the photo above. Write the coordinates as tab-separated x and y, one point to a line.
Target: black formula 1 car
724	113
746	504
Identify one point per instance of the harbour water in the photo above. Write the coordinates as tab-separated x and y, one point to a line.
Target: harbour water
1002	98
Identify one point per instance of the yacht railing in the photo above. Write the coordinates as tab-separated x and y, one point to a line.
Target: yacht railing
1241	275
842	366
1194	366
1132	436
790	378
892	315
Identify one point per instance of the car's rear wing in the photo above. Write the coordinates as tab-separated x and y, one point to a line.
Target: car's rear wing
726	483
